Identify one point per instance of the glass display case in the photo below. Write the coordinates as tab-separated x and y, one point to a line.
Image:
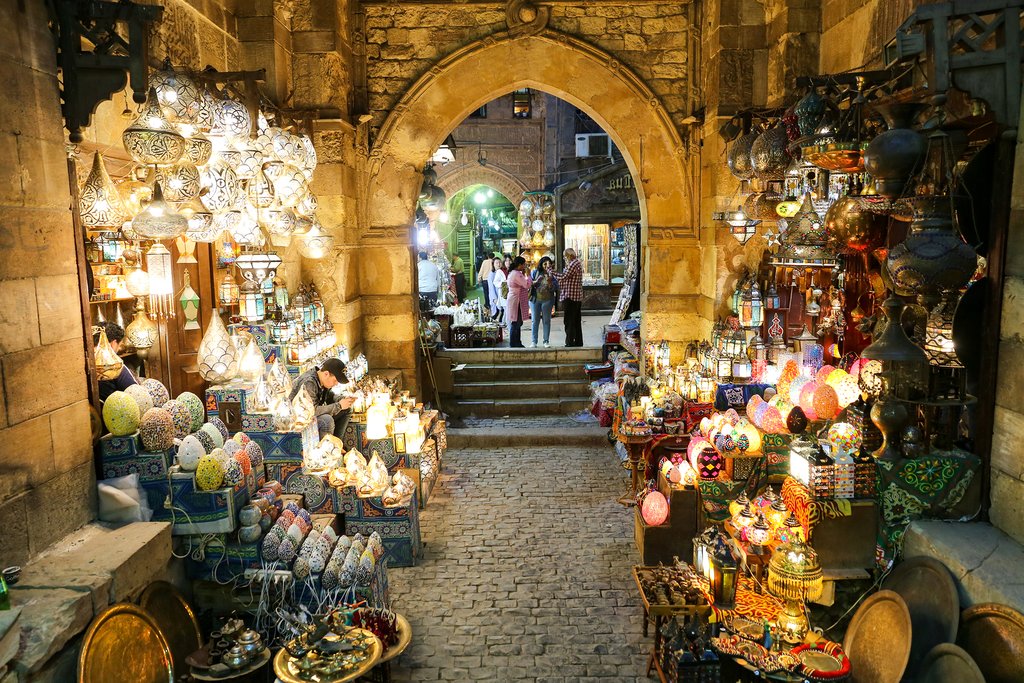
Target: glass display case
617	256
591	243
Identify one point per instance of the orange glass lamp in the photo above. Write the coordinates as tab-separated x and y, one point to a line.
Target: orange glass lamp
654	508
795	575
759	533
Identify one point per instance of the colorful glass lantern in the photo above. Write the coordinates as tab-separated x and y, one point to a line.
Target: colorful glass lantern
809	465
845	438
229	290
99	202
709	463
252	306
161	284
745	518
189	301
825	402
751	307
759	533
738	504
654	508
723	579
777	513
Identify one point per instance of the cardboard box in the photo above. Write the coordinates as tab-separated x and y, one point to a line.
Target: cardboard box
204	512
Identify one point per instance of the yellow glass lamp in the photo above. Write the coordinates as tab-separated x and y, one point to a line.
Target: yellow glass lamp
108	363
738	504
377	419
795	575
252	365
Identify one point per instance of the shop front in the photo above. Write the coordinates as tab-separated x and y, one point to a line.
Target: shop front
594	214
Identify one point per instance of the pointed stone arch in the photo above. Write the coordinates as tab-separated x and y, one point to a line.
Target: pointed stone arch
451	181
678	284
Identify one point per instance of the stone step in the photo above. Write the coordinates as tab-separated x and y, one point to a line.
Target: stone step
518	406
523	388
581	355
579	437
501	372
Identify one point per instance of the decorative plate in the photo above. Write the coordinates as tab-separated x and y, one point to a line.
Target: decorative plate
947	663
175	619
124	643
822	661
993	635
927	587
878	638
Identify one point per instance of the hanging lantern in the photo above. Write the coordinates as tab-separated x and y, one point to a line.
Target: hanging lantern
228	290
178	94
217	356
289	185
311	158
250	160
180	182
222	186
278	222
108	363
141	331
133	193
161	283
308	205
260	191
251	305
137	282
189	301
159	220
198	149
186	250
200	221
258	267
246	230
99	203
315	244
151	138
232	120
281	293
251	366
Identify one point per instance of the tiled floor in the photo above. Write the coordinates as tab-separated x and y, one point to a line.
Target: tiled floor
527	572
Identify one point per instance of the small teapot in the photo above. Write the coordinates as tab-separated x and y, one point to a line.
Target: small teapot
251	642
236	657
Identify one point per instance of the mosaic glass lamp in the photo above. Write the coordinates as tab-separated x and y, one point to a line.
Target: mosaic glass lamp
795	575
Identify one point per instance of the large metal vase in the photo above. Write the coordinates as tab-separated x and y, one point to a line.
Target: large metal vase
893	157
738	159
852	229
769	155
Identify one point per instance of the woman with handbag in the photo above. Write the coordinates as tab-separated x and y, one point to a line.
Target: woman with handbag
542	298
519	284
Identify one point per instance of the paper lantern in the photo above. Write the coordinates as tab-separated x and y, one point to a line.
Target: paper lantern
121	414
654	508
806	401
826	402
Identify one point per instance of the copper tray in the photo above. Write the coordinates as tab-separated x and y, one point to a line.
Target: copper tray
175	619
947	663
878	639
927	587
288	672
994	636
124	643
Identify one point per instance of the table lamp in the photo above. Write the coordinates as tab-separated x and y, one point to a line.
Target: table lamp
795	575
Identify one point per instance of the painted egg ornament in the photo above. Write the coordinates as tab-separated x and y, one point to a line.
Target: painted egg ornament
195	408
205	439
219	424
218	439
826	402
190	452
796	421
209	473
807	400
233	473
182	418
156	430
157	391
243	461
242	438
231	447
121	414
255	453
141	396
654	509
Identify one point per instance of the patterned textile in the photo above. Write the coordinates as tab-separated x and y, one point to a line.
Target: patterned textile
570	281
716	496
809	510
749	603
930	486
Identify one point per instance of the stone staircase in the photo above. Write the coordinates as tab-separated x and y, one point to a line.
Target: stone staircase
520	382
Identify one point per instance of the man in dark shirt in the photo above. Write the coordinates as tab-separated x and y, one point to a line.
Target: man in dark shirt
115	335
331	416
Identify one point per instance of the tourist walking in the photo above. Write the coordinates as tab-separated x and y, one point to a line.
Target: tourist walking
570	283
519	284
542	298
499	291
483	278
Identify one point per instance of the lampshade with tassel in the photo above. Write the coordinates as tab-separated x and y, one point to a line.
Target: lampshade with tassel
161	284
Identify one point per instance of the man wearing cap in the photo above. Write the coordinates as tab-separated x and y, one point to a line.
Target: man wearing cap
331	415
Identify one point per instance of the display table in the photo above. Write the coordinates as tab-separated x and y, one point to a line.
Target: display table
659	614
246	673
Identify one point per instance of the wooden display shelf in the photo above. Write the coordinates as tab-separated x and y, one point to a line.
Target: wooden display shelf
659	614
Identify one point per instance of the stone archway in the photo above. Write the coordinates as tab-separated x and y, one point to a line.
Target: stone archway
678	286
472	173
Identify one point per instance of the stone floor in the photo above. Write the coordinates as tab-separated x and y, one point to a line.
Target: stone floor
543	421
527	572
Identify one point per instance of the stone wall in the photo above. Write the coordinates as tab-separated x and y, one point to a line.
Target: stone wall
47	485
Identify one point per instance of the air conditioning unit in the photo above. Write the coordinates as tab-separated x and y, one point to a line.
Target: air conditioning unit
593	145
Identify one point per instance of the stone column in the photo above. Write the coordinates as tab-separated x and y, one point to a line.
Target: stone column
47	483
265	42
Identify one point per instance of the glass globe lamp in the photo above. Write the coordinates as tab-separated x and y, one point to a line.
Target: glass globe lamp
198	149
315	244
180	182
217	356
151	138
233	120
177	93
159	220
223	188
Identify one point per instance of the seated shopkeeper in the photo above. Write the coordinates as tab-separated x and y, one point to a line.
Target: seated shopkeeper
331	415
115	335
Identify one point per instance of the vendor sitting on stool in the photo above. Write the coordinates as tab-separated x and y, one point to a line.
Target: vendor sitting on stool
331	416
115	335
